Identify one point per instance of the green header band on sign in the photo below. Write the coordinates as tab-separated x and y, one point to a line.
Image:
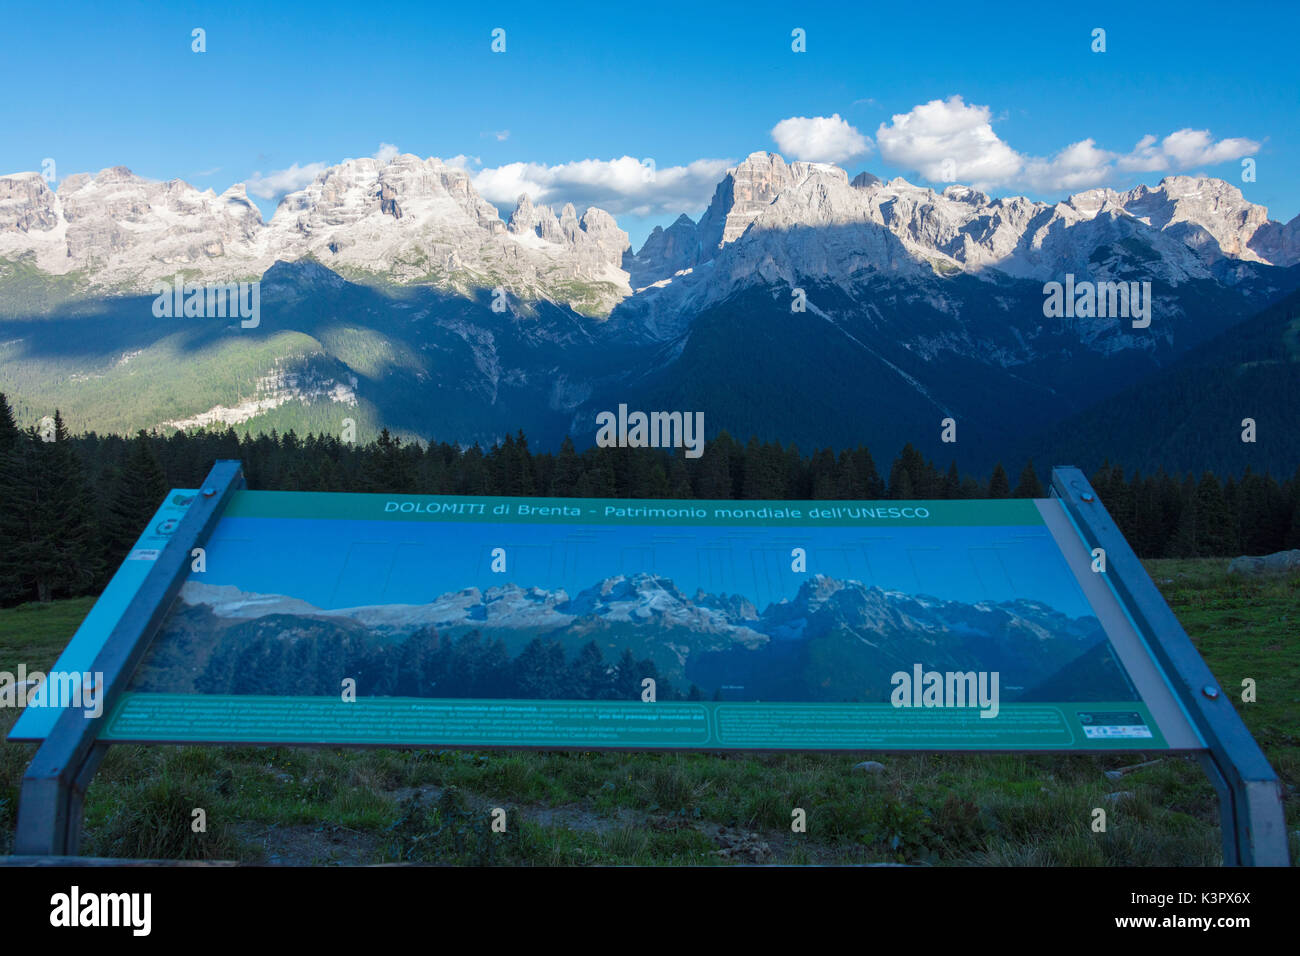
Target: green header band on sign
623	511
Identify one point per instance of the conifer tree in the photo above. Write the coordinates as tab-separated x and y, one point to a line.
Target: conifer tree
821	475
715	471
900	482
567	472
9	431
762	472
952	482
679	476
387	467
999	485
136	491
48	523
1186	540
1029	486
1217	536
627	677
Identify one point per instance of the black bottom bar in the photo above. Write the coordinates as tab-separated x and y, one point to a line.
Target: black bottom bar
927	905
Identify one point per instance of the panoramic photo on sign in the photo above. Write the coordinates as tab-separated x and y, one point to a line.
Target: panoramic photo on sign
365	618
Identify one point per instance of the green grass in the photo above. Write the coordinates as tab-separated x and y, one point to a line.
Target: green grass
29	290
329	805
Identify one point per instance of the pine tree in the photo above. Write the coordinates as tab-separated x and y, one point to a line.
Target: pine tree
598	478
10	437
1262	514
48	524
762	472
627	677
679	476
924	477
1290	504
513	467
1292	539
900	482
715	470
588	676
567	472
1118	499
137	490
859	479
387	466
538	671
1186	541
1029	486
9	432
474	477
999	485
1217	536
821	475
1145	536
952	482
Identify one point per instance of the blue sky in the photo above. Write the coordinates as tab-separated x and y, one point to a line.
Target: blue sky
94	85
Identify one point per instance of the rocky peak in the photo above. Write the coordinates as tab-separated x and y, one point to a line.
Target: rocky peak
777	222
123	229
117	174
737	607
742	195
405	220
817	589
1209	215
649	592
420	220
27	204
967	195
524	218
667	252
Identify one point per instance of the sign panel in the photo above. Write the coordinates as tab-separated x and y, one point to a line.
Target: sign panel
584	623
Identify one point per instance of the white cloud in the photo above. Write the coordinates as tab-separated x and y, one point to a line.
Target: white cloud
624	185
1146	157
461	161
1184	149
822	139
952	141
948	141
282	181
1079	166
500	135
386	152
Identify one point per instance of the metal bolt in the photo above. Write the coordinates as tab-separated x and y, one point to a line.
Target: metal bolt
209	492
1210	691
1088	496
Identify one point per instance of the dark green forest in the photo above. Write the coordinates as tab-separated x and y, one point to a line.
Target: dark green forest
71	506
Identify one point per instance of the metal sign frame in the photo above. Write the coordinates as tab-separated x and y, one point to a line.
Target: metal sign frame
1250	798
54	787
1250	794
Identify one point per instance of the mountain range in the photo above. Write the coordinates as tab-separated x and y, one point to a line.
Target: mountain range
835	640
393	294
